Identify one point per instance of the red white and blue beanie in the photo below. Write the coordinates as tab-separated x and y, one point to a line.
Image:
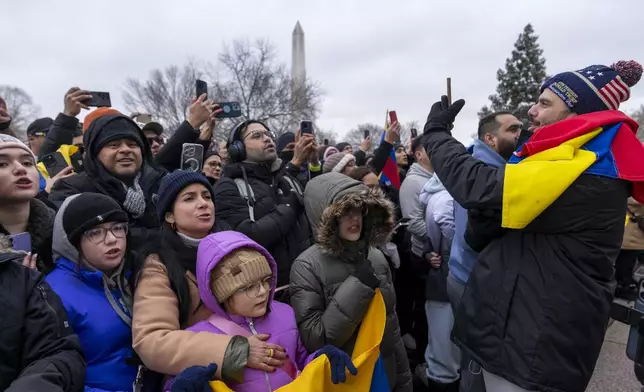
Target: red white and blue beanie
595	88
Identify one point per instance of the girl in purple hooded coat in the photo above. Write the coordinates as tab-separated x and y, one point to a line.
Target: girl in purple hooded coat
236	278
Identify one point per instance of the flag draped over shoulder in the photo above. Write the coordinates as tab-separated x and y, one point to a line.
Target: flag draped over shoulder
599	143
389	174
371	377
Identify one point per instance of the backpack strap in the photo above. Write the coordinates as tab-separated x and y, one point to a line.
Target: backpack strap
247	193
294	185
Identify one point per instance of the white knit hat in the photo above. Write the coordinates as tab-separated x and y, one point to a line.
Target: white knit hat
337	162
7	141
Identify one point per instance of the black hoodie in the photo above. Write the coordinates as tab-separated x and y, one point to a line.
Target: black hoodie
97	179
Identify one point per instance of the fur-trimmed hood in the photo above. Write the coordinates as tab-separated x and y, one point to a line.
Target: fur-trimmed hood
330	196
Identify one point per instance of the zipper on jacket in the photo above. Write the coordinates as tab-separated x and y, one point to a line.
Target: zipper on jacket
251	324
43	293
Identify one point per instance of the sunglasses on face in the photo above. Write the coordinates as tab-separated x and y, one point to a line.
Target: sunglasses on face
157	139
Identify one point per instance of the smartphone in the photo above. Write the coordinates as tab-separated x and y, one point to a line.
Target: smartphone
393	117
192	157
77	162
414	133
306	127
229	110
54	162
143	118
365	134
21	241
100	99
201	87
326	142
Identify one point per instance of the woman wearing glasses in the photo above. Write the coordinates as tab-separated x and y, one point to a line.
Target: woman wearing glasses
90	249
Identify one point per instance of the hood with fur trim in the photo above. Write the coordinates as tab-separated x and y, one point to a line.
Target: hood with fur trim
330	196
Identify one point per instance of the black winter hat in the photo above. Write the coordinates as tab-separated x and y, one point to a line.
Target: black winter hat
87	211
40	127
119	128
172	184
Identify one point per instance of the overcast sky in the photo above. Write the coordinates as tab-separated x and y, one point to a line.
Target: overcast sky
367	55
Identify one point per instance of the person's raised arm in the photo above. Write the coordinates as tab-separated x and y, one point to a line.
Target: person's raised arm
472	183
66	123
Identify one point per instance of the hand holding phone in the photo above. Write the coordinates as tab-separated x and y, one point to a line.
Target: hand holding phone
414	133
21	242
54	163
366	134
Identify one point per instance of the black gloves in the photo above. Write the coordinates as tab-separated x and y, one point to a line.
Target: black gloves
441	116
365	274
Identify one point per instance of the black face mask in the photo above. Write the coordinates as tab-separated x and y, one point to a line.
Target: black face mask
4	126
287	156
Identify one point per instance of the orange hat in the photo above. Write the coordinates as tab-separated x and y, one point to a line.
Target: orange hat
100	112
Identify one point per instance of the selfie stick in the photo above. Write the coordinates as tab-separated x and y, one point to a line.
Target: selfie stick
449	91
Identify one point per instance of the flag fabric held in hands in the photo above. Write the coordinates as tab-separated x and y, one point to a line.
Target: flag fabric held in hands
600	143
389	174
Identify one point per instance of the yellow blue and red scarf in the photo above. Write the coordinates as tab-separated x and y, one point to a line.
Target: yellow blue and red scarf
600	143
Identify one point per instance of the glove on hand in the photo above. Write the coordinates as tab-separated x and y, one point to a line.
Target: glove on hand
195	379
442	115
339	361
367	277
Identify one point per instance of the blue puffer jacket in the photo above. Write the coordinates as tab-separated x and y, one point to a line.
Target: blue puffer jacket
105	337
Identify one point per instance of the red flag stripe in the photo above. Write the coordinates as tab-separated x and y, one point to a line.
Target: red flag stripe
610	98
616	93
618	80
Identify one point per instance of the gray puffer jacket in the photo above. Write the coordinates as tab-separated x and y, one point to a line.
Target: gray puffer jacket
329	301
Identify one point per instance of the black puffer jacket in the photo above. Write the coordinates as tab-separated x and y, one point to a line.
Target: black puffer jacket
38	349
280	228
97	179
537	303
329	301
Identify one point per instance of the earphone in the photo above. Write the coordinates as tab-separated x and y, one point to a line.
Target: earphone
235	146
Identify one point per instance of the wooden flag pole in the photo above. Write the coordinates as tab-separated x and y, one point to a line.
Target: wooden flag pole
449	91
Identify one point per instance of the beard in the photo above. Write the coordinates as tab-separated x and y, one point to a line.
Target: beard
506	148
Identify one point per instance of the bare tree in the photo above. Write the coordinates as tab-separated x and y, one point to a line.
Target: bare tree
356	135
329	136
166	95
250	73
638	115
21	108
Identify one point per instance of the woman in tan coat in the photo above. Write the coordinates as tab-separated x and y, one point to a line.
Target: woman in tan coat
166	299
632	248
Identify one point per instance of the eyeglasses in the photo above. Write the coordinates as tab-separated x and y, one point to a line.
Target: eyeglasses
252	291
98	234
258	135
158	140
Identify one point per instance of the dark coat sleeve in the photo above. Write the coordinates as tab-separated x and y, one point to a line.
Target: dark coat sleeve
61	190
380	156
319	324
52	358
170	155
231	207
61	132
361	157
472	183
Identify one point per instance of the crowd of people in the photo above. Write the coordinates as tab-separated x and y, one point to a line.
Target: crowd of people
497	264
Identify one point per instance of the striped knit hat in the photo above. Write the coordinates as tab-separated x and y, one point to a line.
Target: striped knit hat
337	162
595	88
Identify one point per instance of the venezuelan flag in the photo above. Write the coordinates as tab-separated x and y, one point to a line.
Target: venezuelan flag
371	377
601	143
389	174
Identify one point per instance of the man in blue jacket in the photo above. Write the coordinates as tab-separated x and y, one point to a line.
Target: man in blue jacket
498	134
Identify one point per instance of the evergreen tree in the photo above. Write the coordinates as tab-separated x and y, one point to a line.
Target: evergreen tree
525	71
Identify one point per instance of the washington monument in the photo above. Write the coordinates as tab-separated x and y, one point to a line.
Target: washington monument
298	65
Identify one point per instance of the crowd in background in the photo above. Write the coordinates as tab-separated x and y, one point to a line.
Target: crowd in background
497	263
